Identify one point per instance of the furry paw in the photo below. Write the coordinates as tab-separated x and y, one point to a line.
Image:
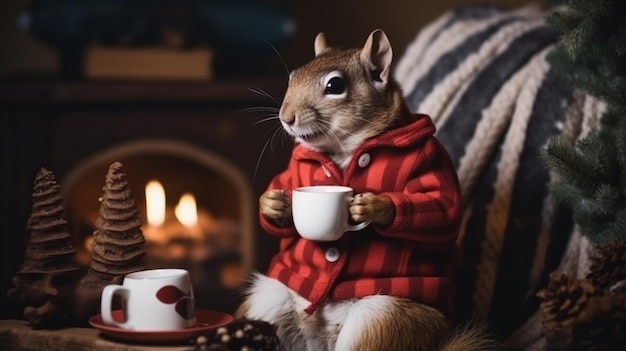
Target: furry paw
369	207
276	206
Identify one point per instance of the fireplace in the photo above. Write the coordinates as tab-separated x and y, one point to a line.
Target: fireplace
195	140
217	247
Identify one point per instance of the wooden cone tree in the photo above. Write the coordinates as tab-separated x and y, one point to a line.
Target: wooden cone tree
118	247
48	270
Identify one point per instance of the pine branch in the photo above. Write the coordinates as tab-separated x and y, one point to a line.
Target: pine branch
620	154
593	39
566	193
572	163
592	54
607	197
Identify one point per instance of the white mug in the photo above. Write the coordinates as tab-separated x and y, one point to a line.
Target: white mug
320	212
152	300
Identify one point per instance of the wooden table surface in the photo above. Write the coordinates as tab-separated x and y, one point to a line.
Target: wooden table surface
18	335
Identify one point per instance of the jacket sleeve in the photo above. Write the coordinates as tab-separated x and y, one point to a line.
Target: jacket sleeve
428	208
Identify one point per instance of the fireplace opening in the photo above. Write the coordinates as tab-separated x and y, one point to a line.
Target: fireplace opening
204	204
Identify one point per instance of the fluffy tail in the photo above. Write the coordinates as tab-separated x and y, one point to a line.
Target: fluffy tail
471	337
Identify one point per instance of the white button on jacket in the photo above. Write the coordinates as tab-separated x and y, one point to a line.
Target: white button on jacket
364	160
332	254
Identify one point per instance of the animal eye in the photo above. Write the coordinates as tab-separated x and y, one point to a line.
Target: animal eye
334	84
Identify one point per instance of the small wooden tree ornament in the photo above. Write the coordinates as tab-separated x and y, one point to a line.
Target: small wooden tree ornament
118	246
44	281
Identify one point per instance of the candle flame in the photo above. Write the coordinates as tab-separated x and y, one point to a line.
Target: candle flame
186	211
155	203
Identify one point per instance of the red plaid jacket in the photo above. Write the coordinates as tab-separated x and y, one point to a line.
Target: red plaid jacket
413	257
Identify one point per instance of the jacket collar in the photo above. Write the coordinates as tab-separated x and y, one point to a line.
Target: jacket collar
420	129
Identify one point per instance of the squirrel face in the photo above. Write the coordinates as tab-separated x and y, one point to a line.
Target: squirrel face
342	97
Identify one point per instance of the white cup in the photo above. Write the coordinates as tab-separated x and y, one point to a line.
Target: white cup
152	300
321	213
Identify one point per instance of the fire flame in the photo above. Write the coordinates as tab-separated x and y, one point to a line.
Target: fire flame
186	211
155	203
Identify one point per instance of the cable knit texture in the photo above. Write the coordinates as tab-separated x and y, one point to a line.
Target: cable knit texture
481	73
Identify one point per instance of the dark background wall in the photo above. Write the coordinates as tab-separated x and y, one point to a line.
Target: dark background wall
346	23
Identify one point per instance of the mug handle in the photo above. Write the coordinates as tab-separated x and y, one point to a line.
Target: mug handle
106	309
357	227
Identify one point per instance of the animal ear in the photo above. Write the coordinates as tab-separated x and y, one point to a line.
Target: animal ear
376	56
320	44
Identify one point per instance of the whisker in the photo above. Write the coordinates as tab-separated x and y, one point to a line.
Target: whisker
263	120
280	58
259	158
265	94
326	127
267	143
260	109
283	136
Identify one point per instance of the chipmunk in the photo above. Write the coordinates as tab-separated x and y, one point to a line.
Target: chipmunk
389	286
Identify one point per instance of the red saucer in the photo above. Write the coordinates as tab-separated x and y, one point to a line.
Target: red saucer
206	320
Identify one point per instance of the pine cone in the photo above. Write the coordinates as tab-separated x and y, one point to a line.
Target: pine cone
242	334
563	300
602	325
608	265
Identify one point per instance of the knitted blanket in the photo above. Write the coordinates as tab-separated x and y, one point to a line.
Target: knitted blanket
481	73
